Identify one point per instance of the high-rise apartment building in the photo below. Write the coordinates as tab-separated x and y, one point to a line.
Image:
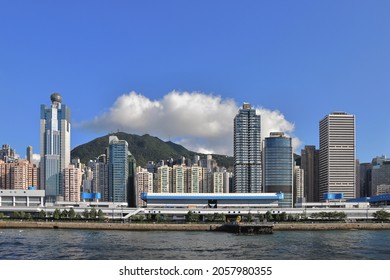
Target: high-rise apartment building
144	183
299	185
55	146
18	175
195	176
337	155
310	163
164	179
118	166
7	154
278	167
72	183
100	179
247	151
218	178
179	175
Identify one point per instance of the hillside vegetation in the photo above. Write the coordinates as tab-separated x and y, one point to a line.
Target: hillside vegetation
144	148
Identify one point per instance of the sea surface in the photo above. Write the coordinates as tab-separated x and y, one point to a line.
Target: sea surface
63	244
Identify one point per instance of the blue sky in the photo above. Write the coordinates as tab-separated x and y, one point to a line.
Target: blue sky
137	65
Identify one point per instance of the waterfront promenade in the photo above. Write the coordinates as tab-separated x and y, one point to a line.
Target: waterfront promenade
187	227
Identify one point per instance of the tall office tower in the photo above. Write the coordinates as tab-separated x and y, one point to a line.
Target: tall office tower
337	155
310	163
278	167
299	185
72	183
247	151
132	195
365	179
29	154
118	169
55	146
164	179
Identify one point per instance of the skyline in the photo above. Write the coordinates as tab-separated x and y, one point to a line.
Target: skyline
297	62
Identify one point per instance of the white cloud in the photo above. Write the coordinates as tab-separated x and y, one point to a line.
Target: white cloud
198	121
36	158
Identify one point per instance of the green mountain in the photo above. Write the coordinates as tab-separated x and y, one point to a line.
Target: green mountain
144	148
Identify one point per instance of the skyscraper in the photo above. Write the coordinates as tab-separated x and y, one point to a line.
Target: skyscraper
278	167
29	154
55	146
100	179
337	154
310	165
118	169
247	151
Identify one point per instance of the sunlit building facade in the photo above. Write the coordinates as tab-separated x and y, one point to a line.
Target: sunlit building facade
247	151
54	146
337	155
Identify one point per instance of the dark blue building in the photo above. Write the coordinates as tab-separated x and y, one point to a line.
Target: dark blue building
278	167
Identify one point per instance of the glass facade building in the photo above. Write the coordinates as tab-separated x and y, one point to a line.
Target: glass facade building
247	151
278	167
118	166
54	147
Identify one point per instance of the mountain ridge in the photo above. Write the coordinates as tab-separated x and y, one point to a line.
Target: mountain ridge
144	148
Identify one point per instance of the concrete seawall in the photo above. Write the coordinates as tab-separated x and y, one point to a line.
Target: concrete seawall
187	227
109	226
332	226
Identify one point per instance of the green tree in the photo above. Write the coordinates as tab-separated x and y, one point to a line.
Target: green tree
28	216
191	217
93	213
210	218
261	217
381	215
56	214
42	214
64	214
22	215
86	214
250	217
283	216
100	215
72	214
16	215
268	216
219	217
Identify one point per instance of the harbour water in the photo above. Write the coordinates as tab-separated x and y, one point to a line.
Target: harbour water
64	244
